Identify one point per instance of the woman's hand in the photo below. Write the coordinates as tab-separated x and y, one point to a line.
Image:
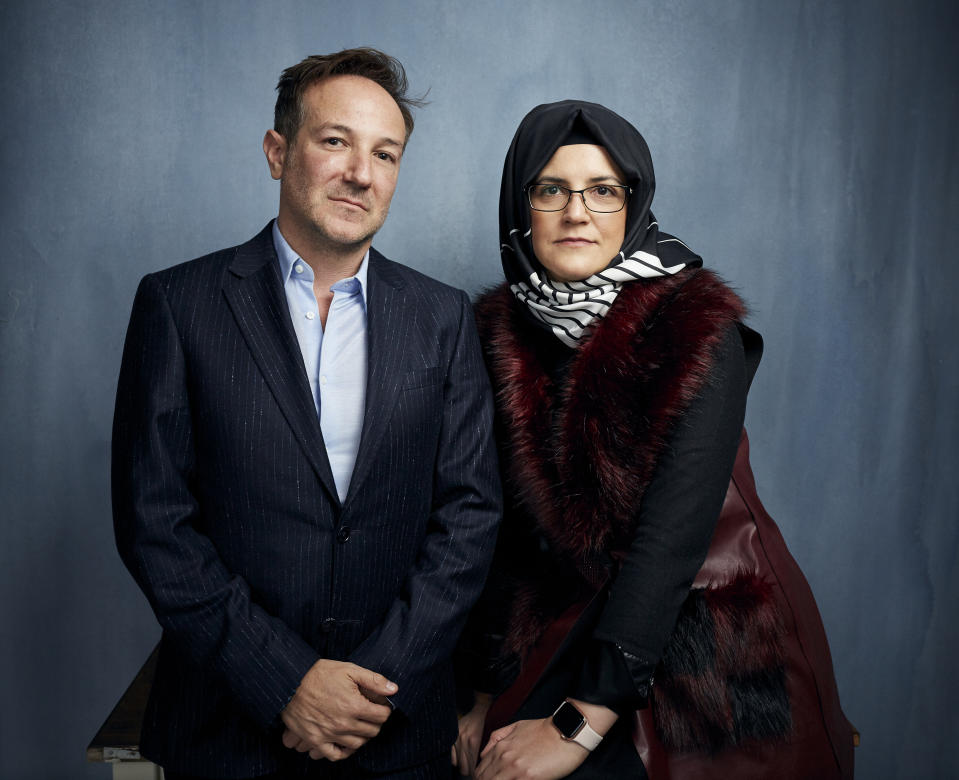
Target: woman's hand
465	752
529	749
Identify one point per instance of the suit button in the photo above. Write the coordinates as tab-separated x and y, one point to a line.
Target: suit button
343	534
328	625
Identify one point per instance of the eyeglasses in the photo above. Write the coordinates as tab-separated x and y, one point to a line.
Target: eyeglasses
601	198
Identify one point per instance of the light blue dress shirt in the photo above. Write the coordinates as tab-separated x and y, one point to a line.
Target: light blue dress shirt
335	360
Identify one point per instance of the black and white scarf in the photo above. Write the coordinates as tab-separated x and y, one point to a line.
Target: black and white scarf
568	308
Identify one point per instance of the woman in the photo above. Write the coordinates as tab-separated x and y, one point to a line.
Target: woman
635	564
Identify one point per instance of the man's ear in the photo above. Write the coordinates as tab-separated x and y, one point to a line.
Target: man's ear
274	147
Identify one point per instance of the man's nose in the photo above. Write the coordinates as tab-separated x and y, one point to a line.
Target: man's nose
359	170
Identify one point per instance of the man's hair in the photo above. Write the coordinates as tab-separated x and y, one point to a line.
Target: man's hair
369	63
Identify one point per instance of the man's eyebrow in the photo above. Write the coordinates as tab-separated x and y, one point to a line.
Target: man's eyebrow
326	127
349	131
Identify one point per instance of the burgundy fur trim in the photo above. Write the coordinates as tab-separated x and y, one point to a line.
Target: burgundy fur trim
531	611
580	470
721	681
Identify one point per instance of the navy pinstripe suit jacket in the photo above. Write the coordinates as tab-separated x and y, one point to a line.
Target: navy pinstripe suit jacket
226	513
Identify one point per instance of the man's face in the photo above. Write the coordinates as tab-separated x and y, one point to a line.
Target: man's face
339	174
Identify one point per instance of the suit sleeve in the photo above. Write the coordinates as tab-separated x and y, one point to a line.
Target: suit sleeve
204	609
676	522
420	629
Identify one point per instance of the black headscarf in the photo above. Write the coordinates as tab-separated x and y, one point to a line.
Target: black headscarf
568	308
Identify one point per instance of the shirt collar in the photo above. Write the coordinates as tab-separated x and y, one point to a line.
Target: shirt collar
288	258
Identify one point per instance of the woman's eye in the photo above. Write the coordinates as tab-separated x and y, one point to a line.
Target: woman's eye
548	190
602	191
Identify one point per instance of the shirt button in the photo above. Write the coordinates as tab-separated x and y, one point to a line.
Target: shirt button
311	315
343	535
323	379
298	268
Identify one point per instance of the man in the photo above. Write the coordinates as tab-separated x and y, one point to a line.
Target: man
304	481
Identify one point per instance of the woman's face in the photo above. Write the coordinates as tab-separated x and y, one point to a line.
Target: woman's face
576	243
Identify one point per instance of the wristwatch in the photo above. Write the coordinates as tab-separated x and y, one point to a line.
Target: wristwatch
573	726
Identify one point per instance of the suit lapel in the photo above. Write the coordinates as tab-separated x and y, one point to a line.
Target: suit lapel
254	291
388	322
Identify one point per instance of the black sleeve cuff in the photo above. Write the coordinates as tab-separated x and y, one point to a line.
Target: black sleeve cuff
614	678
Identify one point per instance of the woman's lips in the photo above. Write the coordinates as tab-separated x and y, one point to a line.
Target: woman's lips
575	242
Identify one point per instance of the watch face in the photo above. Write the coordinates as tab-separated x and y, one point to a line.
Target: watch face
568	720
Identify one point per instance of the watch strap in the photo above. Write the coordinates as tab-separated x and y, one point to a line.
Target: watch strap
588	738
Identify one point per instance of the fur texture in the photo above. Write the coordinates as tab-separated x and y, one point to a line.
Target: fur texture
576	464
576	467
721	681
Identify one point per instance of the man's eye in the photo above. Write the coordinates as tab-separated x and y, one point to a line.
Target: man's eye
334	141
386	156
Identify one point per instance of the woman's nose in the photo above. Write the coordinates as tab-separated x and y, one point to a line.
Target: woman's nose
576	208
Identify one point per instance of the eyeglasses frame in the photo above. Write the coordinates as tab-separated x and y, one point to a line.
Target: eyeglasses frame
582	195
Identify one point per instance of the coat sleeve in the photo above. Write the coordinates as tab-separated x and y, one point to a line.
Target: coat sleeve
676	522
419	631
204	609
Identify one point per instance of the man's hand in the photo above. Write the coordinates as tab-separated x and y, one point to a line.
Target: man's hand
334	711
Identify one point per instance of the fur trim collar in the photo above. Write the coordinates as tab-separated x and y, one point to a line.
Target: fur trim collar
579	458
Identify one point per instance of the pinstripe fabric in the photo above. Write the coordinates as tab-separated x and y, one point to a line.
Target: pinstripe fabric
227	516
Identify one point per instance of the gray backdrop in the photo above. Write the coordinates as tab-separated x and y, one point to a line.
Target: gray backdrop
806	149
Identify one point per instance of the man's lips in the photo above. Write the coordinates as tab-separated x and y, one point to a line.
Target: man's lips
350	202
